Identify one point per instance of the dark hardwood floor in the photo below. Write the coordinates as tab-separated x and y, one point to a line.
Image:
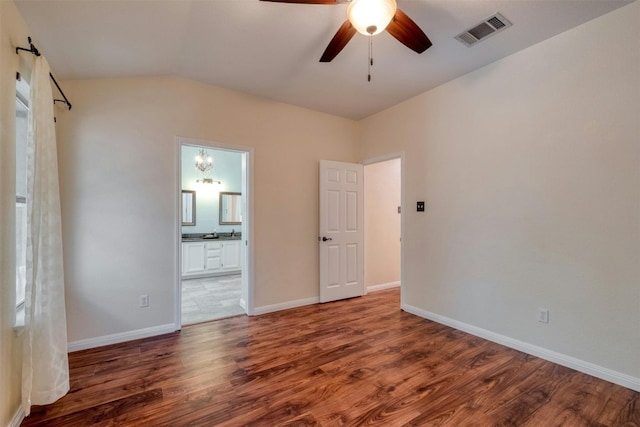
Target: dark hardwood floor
356	362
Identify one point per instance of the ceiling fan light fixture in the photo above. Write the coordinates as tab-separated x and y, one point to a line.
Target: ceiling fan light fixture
370	17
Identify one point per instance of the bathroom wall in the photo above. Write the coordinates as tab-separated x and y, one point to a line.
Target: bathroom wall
227	168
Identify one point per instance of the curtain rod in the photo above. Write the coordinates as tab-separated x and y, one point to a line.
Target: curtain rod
33	50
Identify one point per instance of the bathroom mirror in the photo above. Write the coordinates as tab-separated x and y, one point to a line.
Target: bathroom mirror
230	208
188	207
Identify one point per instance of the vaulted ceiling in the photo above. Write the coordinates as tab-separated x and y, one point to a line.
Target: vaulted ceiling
272	50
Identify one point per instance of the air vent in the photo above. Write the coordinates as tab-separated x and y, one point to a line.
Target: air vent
492	25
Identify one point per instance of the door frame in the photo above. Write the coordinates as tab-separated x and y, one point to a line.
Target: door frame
247	221
404	207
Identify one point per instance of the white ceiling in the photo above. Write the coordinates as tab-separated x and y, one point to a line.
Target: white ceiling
272	49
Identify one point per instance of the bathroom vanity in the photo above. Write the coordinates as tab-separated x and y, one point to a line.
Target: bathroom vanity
203	257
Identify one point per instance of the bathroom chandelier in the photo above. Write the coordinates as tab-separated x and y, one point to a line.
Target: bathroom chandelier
204	162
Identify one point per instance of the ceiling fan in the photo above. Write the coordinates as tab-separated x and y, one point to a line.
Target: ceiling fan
370	17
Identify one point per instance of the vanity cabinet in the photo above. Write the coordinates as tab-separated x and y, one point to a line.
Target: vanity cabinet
193	260
211	258
231	257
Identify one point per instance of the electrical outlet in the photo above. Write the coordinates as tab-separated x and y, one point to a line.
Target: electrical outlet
543	315
144	301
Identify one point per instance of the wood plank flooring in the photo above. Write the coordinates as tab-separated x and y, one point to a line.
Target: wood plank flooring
355	362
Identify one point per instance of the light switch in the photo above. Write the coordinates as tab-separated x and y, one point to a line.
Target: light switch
420	206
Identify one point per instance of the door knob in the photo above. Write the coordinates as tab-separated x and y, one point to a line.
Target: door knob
324	239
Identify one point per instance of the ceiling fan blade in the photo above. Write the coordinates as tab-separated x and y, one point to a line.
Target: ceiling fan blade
304	1
408	33
338	42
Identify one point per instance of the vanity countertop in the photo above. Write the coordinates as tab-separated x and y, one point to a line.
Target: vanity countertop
207	237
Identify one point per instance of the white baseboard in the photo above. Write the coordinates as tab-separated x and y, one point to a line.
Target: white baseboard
18	417
121	337
382	286
561	359
285	305
243	304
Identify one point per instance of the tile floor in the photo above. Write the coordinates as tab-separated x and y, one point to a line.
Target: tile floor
210	298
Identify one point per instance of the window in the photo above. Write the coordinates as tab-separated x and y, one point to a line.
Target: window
22	117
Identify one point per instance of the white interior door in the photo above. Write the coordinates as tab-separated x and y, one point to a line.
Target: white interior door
341	237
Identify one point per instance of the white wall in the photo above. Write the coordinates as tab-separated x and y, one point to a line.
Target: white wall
382	196
118	175
530	168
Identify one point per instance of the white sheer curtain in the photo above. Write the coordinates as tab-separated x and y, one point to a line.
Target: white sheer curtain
45	368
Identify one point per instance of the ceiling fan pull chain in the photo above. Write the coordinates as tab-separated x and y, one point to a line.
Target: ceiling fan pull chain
370	57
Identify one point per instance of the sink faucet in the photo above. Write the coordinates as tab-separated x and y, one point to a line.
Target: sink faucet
233	233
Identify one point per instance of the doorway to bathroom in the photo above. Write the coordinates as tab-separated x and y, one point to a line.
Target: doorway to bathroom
214	218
